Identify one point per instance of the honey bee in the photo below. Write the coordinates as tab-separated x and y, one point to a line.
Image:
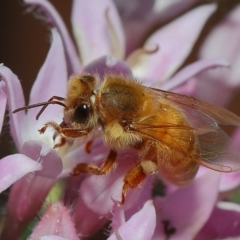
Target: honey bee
173	134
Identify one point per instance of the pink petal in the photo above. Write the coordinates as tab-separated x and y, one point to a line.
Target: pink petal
192	70
175	42
56	21
108	64
101	193
51	237
167	9
223	41
25	199
187	209
134	10
95	35
15	97
230	181
140	226
138	18
87	221
51	81
207	91
188	88
71	159
14	167
55	221
223	223
48	157
71	185
3	103
118	218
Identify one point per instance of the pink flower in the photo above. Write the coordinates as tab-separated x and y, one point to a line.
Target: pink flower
37	167
140	19
223	41
223	222
56	221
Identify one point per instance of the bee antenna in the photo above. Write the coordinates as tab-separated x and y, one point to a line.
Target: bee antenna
43	104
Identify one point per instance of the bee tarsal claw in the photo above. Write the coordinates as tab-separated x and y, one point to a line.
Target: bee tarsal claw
42	130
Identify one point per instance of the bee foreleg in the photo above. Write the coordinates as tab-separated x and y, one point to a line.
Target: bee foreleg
66	133
93	169
61	143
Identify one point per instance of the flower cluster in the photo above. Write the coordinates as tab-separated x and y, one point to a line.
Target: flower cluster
107	35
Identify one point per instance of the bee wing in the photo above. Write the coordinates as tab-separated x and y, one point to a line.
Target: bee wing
216	150
219	114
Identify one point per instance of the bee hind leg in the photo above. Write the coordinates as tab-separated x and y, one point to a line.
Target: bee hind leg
136	175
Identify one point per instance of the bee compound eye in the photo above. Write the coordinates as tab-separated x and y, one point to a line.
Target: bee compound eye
81	113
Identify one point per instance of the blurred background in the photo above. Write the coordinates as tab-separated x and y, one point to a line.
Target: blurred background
25	40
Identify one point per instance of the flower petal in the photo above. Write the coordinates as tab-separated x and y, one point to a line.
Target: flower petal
51	81
215	46
230	181
172	7
108	64
140	226
175	42
15	97
14	167
183	213
192	70
25	199
56	21
56	221
48	157
51	237
140	16
87	221
97	29
223	223
188	88
100	193
134	9
3	103
71	159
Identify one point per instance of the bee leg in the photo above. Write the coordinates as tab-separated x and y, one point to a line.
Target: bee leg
61	143
65	132
132	179
136	175
93	169
88	146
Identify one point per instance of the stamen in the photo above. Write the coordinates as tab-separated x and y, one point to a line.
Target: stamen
134	57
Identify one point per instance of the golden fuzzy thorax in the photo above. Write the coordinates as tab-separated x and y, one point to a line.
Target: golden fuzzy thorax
119	102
